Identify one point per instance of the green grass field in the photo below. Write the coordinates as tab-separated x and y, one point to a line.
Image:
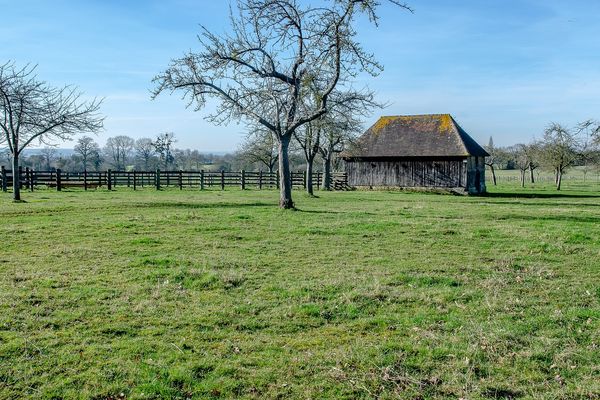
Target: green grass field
215	294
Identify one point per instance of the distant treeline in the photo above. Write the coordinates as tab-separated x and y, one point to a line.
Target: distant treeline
145	154
560	149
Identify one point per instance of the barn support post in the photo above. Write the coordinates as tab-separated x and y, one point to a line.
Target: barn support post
3	176
58	180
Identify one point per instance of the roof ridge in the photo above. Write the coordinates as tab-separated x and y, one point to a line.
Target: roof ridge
416	115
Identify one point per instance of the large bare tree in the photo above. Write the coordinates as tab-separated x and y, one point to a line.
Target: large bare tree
263	69
32	111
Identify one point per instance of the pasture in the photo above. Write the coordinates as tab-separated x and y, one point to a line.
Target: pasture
220	294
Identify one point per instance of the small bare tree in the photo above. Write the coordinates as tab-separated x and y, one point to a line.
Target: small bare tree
589	133
492	160
33	111
260	147
558	150
519	157
144	151
532	153
118	150
163	146
265	68
88	150
49	156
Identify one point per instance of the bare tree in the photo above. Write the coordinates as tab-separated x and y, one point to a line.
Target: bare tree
519	157
558	150
118	150
492	160
163	145
260	147
33	111
263	70
589	133
49	156
144	151
532	153
88	150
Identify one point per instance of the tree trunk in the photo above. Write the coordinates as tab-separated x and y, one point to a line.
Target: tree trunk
16	177
493	174
327	172
285	179
558	179
531	175
309	173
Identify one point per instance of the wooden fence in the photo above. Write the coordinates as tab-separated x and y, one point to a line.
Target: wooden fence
158	179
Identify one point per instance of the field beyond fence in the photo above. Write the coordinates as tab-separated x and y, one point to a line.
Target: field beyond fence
157	179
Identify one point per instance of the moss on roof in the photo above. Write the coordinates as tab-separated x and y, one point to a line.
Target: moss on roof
427	135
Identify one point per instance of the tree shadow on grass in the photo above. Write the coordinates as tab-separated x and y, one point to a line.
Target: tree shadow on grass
556	218
166	204
558	195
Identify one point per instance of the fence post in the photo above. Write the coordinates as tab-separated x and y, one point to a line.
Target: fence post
259	180
180	177
243	179
128	179
157	179
3	173
27	178
85	179
109	179
134	181
222	179
277	183
31	179
21	177
201	179
304	179
58	180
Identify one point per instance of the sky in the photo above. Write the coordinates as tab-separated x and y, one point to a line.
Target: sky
504	69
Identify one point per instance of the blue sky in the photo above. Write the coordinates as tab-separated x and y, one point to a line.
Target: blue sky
502	68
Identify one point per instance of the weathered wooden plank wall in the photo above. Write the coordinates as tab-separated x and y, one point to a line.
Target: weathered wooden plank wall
407	173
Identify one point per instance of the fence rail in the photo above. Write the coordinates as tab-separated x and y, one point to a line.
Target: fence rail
158	179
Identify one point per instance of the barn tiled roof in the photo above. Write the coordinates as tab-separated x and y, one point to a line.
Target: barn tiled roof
431	135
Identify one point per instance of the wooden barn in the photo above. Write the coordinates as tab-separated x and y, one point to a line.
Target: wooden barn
417	151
